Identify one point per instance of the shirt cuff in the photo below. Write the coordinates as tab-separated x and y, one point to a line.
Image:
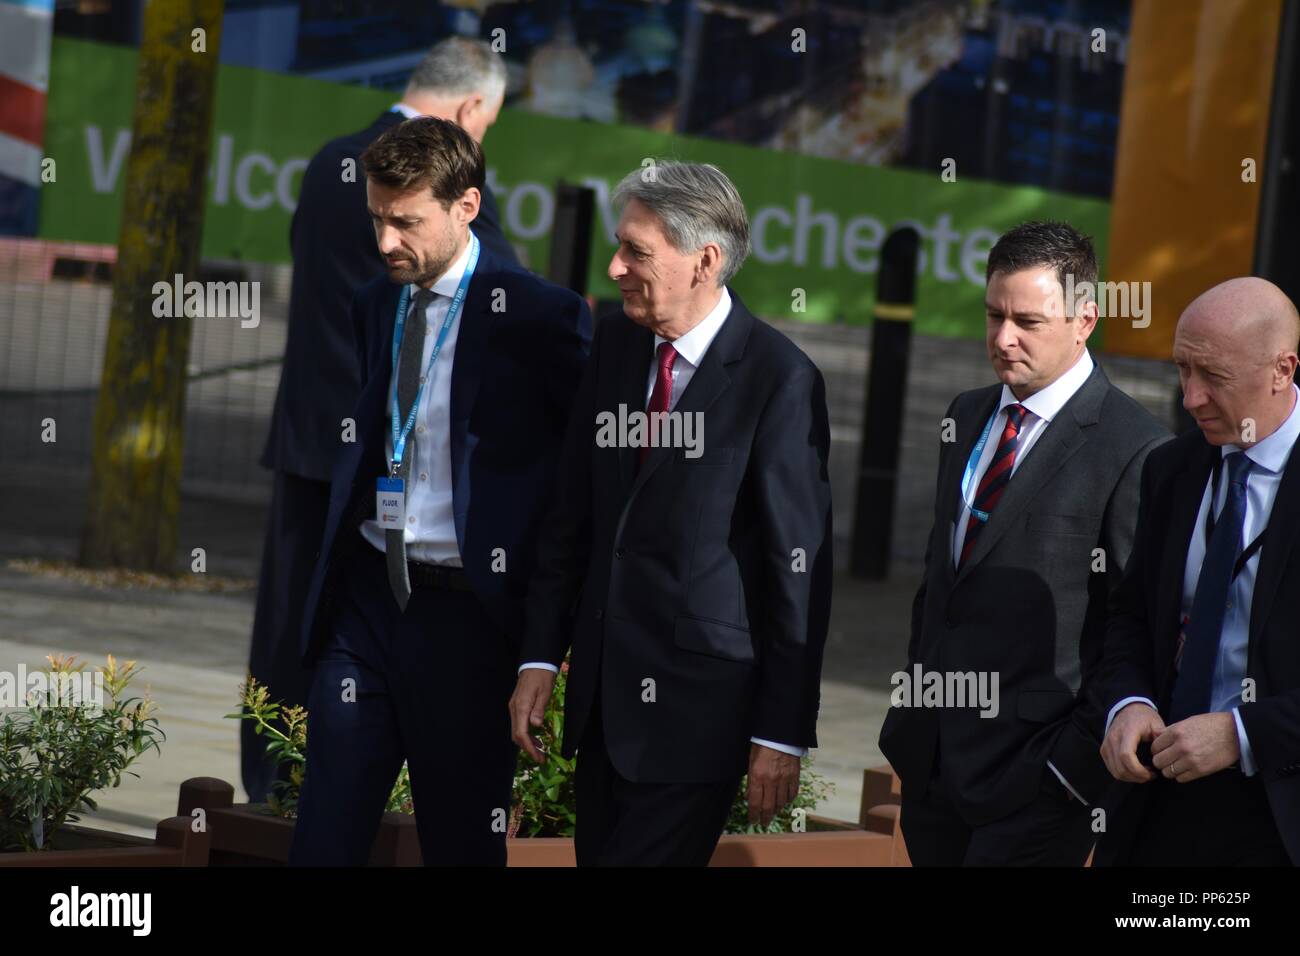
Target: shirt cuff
538	665
1124	703
783	748
1247	760
1065	783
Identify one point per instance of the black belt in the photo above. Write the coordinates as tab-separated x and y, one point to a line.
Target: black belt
443	577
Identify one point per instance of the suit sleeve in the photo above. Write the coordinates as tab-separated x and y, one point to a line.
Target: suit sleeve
789	458
1076	752
564	543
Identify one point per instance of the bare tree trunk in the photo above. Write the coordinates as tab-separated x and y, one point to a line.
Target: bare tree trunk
134	497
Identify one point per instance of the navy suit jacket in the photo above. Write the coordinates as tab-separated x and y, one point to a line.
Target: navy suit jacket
334	254
1142	632
520	352
710	575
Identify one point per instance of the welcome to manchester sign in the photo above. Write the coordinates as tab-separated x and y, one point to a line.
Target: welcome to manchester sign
817	224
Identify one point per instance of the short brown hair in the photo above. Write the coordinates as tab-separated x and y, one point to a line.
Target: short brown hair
426	152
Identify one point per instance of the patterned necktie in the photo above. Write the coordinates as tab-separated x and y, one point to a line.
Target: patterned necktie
662	394
995	479
410	358
1192	686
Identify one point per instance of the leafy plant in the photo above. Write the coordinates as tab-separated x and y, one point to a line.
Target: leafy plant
54	754
287	729
543	801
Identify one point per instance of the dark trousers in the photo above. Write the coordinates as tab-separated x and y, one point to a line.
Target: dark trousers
622	823
1220	820
294	529
429	686
1054	829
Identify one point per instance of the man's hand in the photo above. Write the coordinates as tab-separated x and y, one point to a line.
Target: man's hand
528	706
1197	747
1134	723
773	782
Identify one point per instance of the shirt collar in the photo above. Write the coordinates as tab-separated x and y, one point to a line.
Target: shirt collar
1047	402
449	281
695	343
405	111
1272	451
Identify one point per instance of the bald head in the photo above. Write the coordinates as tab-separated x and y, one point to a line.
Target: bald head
1235	348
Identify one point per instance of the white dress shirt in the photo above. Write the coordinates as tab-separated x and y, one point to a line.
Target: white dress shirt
690	349
430	519
1042	407
1268	458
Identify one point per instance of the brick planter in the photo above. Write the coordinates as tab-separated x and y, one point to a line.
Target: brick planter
248	834
175	844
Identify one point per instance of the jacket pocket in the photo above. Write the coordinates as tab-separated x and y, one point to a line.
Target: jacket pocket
714	638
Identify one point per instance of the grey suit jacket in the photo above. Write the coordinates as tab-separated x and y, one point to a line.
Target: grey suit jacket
1027	610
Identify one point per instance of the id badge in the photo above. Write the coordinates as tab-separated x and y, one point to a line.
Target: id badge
390	503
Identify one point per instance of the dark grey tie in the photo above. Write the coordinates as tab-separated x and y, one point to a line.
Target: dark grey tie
410	361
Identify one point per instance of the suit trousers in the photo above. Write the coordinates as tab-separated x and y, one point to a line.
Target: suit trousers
1054	829
294	528
624	823
1220	820
429	686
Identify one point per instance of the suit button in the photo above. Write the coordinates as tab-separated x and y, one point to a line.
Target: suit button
600	614
618	553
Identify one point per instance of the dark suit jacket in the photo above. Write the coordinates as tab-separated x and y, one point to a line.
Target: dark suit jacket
513	381
681	572
1026	606
1144	624
334	254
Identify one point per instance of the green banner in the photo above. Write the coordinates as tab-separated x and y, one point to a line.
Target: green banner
817	225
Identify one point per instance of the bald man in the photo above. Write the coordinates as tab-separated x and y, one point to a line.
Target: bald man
1201	674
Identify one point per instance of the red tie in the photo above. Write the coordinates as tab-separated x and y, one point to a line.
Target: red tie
995	478
663	391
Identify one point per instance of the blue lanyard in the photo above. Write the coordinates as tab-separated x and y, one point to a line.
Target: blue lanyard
972	462
400	437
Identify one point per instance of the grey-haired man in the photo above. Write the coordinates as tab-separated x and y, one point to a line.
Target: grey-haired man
686	565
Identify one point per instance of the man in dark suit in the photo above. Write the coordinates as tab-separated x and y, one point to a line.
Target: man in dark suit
334	254
469	369
687	559
1202	658
1035	507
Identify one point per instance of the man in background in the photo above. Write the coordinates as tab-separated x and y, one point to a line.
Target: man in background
334	254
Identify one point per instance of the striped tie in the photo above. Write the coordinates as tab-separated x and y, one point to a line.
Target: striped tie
995	478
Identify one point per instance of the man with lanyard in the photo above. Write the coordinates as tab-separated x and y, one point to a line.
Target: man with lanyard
413	622
1034	514
1202	667
334	254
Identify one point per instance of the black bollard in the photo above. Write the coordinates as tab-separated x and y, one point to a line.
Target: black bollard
575	208
882	417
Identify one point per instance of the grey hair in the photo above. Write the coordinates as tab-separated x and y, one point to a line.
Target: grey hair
697	204
459	66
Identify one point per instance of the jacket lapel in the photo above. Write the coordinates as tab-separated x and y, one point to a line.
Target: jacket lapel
950	482
633	373
474	332
1275	551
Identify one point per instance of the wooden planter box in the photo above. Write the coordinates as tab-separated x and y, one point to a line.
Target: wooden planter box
175	844
248	834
